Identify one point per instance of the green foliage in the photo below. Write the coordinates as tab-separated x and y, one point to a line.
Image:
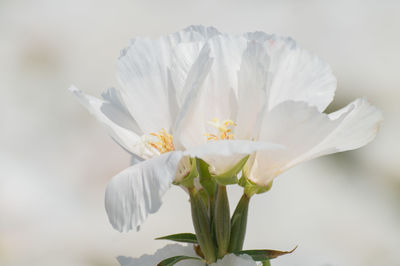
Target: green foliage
218	234
263	254
173	260
183	237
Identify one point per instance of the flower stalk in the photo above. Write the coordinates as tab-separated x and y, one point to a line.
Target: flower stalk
266	263
222	221
239	224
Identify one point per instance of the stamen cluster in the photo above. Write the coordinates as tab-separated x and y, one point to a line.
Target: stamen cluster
224	129
165	141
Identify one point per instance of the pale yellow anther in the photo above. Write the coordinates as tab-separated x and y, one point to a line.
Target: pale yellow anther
165	143
224	129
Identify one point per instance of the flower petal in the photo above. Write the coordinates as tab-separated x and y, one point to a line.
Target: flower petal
360	122
307	134
252	82
116	108
295	73
137	191
191	88
217	95
121	126
144	73
224	154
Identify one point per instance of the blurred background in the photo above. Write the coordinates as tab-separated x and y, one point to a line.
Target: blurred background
56	160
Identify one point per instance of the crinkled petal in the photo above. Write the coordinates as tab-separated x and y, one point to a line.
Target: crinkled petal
144	71
121	126
223	155
360	122
307	134
295	74
137	191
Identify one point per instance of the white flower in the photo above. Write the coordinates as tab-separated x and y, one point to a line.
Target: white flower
276	92
219	97
149	117
177	250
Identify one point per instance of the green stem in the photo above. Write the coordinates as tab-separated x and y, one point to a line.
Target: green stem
222	221
201	224
238	224
266	263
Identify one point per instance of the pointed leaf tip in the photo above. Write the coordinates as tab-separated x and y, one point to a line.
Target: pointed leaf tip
182	237
264	254
173	260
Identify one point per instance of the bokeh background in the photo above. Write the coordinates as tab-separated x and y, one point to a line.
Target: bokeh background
56	160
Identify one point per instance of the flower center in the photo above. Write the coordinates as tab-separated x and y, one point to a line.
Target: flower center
164	141
224	129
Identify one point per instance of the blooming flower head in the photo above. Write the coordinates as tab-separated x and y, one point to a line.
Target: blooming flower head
160	80
219	97
271	90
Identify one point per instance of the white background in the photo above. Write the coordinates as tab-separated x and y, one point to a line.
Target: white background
56	160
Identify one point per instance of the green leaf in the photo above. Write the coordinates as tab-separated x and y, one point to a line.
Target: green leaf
171	261
183	237
263	254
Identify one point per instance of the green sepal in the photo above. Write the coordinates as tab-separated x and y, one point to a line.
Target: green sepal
201	224
226	180
183	237
251	188
173	260
206	181
230	176
222	221
263	254
204	196
236	169
188	180
239	224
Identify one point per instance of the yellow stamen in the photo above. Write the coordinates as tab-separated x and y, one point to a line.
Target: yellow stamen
165	143
224	129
